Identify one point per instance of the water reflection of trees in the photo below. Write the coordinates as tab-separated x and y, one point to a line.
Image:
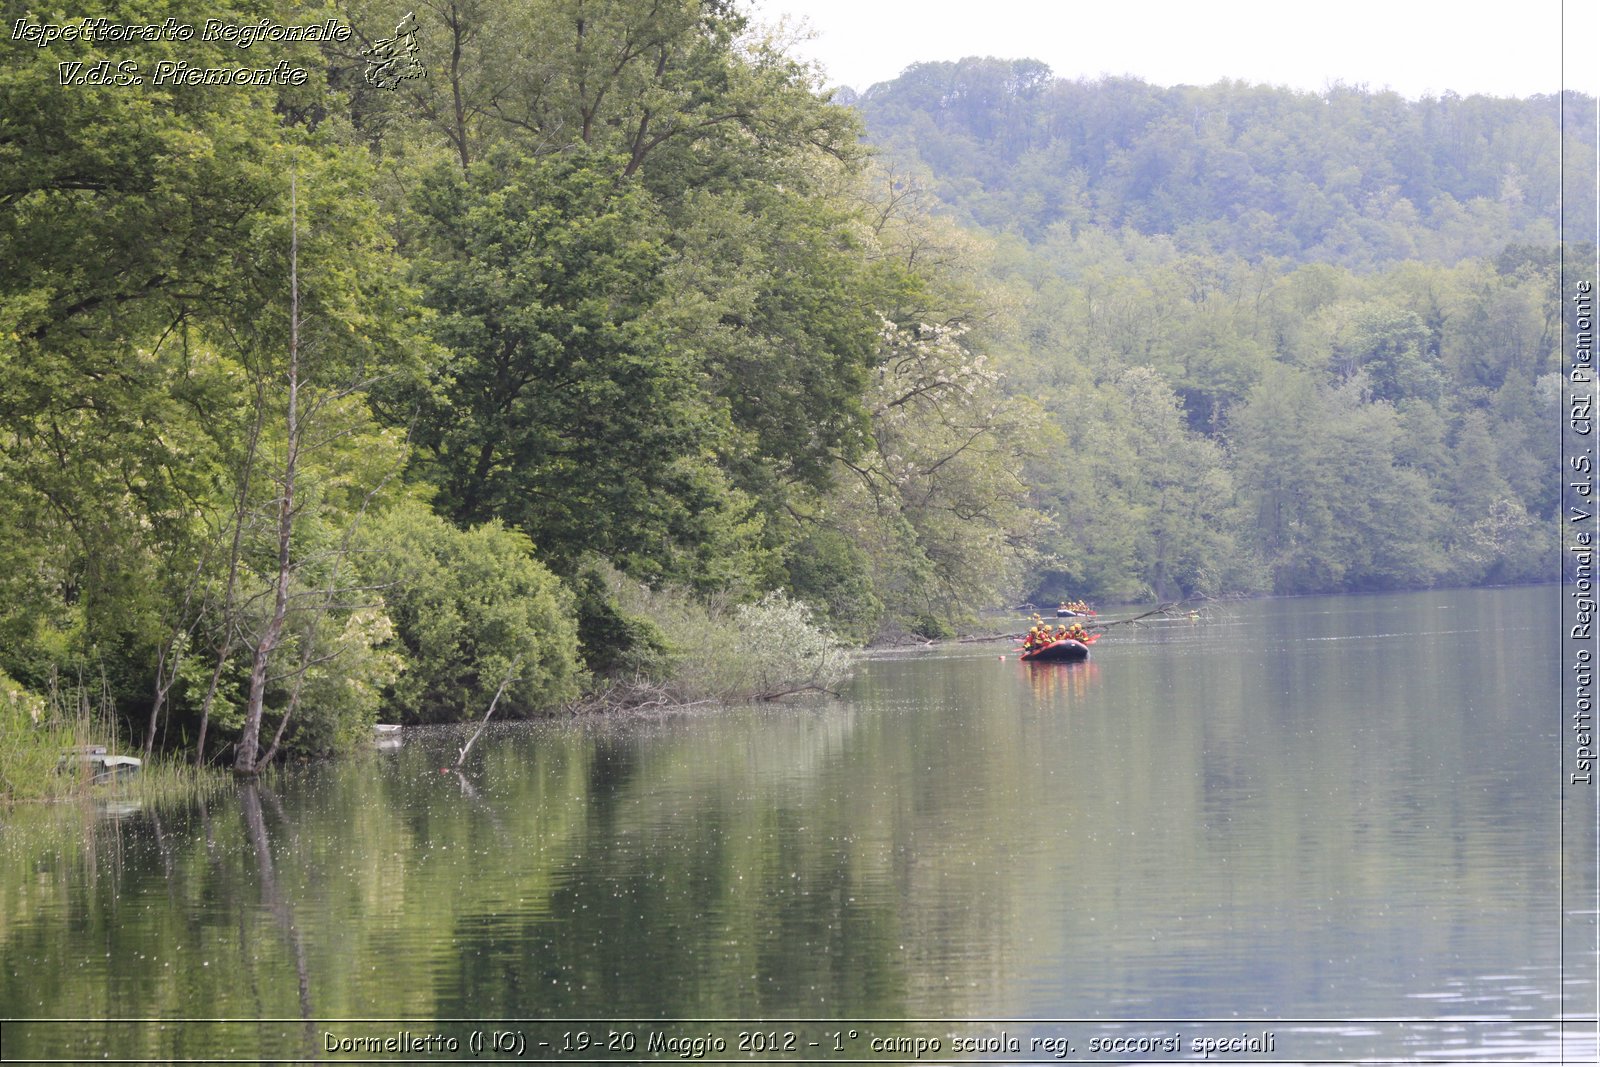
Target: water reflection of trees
250	797
127	914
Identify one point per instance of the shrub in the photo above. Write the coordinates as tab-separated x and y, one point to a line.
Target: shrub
341	696
783	651
470	607
745	652
613	643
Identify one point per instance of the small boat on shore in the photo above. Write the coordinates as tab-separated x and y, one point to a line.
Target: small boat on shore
99	765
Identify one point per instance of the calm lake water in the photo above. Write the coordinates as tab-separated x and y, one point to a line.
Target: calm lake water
1319	829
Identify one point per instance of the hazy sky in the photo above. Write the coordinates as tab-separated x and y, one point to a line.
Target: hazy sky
1416	47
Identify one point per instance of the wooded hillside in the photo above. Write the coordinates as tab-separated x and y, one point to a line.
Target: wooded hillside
1289	342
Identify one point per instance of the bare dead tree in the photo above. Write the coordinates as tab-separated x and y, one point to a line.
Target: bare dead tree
511	676
225	639
245	762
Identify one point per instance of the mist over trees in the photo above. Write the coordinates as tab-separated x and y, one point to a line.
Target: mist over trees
332	397
1351	177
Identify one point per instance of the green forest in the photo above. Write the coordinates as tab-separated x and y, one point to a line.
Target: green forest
579	350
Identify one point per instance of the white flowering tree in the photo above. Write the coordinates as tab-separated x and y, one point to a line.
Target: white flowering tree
938	500
784	650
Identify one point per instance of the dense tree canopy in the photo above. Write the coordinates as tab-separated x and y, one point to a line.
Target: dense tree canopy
566	408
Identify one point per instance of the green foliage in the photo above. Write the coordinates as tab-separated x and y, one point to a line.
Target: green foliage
1338	430
30	745
645	248
774	287
470	608
340	697
1334	507
633	302
781	650
681	93
35	734
936	507
827	569
566	410
144	273
613	643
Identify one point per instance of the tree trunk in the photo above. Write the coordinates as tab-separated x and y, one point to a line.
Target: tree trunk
250	741
224	648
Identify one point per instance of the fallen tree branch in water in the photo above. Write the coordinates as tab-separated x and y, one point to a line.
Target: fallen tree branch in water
636	695
511	676
646	695
1160	609
779	694
1166	609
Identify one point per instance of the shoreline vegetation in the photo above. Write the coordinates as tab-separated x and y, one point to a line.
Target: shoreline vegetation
642	369
746	654
37	738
